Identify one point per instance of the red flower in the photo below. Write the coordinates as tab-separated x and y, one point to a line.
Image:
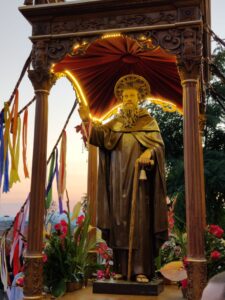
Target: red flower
63	223
215	254
57	227
20	281
80	220
184	283
100	274
61	229
44	258
171	220
216	230
64	230
103	251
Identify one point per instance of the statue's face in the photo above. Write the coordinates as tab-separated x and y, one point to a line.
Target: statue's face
130	98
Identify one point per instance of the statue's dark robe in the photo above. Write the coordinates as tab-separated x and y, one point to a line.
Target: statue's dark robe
119	148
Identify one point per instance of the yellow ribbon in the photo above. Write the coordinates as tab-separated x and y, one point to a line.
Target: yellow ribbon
62	166
7	118
24	131
14	176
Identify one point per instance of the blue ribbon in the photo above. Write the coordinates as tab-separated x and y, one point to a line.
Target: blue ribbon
49	186
6	175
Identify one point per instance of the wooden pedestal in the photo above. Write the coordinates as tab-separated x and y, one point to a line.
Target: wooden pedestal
153	288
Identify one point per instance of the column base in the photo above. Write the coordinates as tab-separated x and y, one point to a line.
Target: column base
197	278
33	281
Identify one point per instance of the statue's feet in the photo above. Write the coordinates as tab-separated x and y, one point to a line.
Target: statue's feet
118	277
142	278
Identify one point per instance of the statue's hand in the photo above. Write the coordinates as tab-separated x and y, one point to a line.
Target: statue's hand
145	158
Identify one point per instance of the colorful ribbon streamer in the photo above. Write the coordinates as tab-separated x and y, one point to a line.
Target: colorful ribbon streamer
14	176
52	172
24	140
14	252
3	265
1	148
6	174
62	171
14	115
7	119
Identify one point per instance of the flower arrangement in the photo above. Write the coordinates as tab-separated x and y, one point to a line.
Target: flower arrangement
215	250
172	262
106	255
174	249
66	252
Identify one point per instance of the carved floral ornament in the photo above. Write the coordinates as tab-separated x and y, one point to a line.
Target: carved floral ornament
121	21
185	43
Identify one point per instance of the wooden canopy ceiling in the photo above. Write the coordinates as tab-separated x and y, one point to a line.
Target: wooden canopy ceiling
107	59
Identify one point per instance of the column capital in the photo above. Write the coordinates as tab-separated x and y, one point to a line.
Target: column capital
189	69
42	80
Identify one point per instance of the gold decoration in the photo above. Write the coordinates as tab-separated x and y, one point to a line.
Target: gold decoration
143	175
132	81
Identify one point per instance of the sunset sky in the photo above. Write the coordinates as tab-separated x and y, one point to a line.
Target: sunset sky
15	48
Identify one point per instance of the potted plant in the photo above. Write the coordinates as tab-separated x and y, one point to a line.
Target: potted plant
66	253
172	262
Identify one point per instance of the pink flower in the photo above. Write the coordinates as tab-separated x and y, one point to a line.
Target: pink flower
104	251
20	281
184	283
215	255
216	230
100	274
80	220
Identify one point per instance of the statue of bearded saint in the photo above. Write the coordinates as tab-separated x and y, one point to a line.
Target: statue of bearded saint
132	134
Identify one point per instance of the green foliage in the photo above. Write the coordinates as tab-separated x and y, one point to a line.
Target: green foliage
171	126
215	186
85	242
68	255
219	59
215	254
174	249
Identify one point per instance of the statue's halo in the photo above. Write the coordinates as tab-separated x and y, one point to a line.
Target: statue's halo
132	81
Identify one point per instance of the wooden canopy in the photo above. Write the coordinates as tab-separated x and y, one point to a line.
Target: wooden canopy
151	38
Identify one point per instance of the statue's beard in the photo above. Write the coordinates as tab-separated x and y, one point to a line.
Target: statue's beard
129	116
